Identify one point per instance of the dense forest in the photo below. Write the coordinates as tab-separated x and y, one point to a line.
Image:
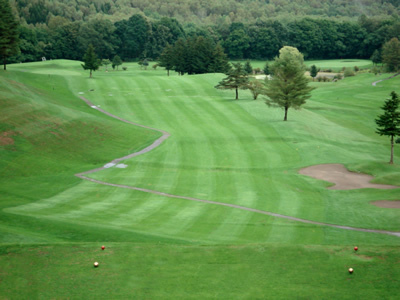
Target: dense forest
203	11
246	29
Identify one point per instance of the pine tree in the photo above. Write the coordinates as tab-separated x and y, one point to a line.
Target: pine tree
90	60
220	61
248	68
237	79
313	72
389	122
288	86
166	59
8	32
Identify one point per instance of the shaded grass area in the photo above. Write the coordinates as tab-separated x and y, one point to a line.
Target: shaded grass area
197	272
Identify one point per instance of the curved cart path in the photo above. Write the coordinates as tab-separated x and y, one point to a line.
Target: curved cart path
164	137
376	82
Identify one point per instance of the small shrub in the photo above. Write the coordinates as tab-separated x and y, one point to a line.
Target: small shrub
124	68
375	70
338	76
348	73
356	69
325	79
327	70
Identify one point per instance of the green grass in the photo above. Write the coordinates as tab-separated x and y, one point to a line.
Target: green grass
222	150
337	65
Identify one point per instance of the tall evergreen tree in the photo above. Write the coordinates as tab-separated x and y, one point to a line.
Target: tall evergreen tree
179	58
313	72
237	79
166	58
389	122
8	32
91	62
288	86
219	62
247	67
266	69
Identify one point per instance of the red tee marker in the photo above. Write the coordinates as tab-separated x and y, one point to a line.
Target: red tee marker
103	247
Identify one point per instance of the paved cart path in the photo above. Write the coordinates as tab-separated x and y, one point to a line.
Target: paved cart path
164	136
376	82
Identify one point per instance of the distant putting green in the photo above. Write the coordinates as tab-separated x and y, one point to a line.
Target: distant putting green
238	153
339	64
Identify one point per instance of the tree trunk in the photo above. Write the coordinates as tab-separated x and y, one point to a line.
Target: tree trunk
5	63
90	73
286	111
237	94
391	150
168	72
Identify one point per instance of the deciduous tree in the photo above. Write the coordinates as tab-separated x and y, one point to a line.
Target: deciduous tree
289	85
389	122
391	55
117	61
256	88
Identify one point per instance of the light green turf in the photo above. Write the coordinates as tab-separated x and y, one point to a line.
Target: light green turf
335	65
238	152
339	64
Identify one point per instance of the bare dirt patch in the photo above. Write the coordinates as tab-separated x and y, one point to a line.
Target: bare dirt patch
343	178
387	204
6	138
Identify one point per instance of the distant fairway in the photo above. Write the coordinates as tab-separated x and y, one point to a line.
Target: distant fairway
219	149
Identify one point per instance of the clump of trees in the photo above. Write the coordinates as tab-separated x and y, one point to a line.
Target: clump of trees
194	55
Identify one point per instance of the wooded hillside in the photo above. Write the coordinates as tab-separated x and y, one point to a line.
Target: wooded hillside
246	29
203	11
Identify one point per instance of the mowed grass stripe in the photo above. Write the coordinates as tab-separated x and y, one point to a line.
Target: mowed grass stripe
240	179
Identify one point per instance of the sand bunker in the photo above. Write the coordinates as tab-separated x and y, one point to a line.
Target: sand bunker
346	180
342	178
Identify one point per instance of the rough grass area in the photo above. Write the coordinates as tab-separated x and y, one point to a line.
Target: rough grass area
52	224
155	271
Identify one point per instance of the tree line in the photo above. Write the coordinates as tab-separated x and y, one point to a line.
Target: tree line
139	36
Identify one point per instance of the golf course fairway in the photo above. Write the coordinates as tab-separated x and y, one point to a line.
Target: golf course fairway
216	209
